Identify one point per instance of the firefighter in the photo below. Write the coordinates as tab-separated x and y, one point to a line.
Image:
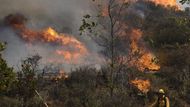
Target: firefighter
162	100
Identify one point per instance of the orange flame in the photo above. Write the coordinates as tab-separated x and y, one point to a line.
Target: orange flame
142	85
140	56
71	49
166	2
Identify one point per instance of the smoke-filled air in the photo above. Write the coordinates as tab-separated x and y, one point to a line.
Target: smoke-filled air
94	53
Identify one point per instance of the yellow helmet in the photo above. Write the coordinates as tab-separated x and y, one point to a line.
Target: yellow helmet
161	91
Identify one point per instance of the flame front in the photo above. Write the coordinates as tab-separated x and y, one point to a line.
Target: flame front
142	85
166	2
71	49
140	56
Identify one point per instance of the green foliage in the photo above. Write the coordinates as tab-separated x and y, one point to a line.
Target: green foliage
171	32
170	28
7	76
169	36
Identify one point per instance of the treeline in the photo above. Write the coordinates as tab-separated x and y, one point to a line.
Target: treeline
89	87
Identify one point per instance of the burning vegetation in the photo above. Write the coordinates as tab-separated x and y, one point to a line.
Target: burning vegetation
70	49
166	2
140	56
142	85
145	47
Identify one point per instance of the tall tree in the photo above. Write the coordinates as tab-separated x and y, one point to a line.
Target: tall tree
106	31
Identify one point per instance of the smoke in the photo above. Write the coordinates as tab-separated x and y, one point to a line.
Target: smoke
62	15
43	12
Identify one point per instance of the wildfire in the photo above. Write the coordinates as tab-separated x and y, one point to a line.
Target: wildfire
140	56
49	35
142	85
167	3
70	49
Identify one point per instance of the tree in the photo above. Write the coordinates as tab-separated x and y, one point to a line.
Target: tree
27	78
107	30
7	76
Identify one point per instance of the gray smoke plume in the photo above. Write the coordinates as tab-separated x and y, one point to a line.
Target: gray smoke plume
62	15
